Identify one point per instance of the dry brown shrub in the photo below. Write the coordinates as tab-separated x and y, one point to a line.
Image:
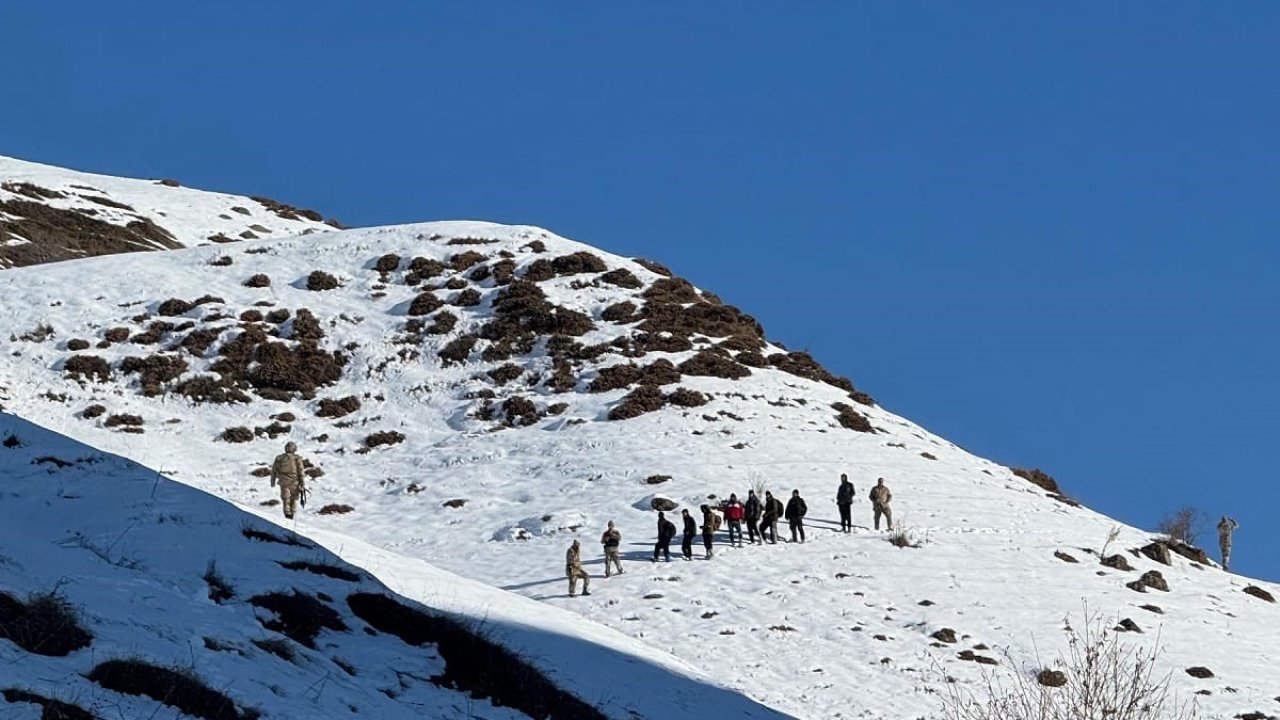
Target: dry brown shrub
238	434
703	319
259	280
752	359
443	323
644	399
711	364
652	266
251	315
123	420
467	298
672	290
464	260
116	334
480	273
851	419
684	397
421	268
615	378
425	303
174	307
1039	478
536	246
623	312
87	367
520	411
802	364
579	262
330	408
662	342
470	241
538	271
278	316
506	373
306	327
660	372
387	263
302	369
210	389
320	280
92	411
384	437
562	377
623	278
458	350
154	333
154	371
504	271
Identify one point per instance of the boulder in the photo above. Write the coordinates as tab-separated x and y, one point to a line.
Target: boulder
1153	579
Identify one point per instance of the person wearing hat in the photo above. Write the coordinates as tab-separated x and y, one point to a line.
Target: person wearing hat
573	570
287	470
611	539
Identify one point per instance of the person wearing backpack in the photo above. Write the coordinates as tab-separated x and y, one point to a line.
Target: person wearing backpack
690	530
844	501
751	510
611	539
795	512
733	512
769	519
708	528
666	531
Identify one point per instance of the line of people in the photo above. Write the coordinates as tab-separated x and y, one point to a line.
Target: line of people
760	517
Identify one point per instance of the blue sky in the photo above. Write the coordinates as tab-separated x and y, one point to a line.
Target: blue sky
1044	231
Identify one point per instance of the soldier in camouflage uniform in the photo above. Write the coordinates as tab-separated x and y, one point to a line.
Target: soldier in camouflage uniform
1226	526
287	470
573	570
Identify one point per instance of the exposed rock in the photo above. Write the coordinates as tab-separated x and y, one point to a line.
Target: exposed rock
1200	672
1064	557
946	635
1259	593
1117	561
1051	678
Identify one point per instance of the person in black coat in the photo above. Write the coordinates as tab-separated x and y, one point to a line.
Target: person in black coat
708	528
844	501
769	518
666	531
796	510
690	530
753	510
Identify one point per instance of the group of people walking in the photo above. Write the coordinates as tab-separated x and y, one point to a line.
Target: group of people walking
760	515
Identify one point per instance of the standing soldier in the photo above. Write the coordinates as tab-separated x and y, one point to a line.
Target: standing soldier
573	570
733	512
1226	526
288	471
844	501
690	529
769	520
708	528
880	498
796	510
752	512
611	540
666	531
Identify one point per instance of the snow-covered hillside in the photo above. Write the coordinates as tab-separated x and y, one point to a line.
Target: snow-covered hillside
50	213
476	395
122	592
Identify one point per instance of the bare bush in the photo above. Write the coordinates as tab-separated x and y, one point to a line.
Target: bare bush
1186	525
1099	677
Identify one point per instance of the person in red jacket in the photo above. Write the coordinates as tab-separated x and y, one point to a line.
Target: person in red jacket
733	512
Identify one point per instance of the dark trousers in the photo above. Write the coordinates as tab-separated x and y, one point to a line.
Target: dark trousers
846	519
735	531
769	529
662	546
706	541
753	529
686	546
797	525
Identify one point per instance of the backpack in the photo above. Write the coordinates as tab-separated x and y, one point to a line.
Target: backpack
668	529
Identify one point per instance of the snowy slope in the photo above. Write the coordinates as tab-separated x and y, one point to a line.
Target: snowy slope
129	552
49	213
499	467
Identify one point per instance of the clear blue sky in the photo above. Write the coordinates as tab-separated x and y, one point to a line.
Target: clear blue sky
1046	231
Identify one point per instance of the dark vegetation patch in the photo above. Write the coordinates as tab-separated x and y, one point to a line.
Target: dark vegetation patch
442	324
660	372
116	334
615	378
289	212
306	327
46	624
299	616
123	420
458	350
623	278
623	312
198	341
107	202
92	411
178	689
504	271
1039	478
210	389
221	261
329	571
802	364
425	303
77	344
50	709
63	234
275	366
672	290
320	280
237	434
710	364
264	536
421	268
653	267
335	509
467	298
469	241
520	411
154	333
479	273
576	263
220	589
259	280
539	270
87	367
684	397
506	373
644	399
384	437
474	663
1259	593
662	342
852	419
251	315
174	307
154	371
752	359
331	408
464	260
387	263
536	246
32	191
276	646
278	316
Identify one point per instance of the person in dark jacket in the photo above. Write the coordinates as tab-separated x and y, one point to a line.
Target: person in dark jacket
708	528
844	501
796	510
751	509
769	518
666	531
690	530
733	513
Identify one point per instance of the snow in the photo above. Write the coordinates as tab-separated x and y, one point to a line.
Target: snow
837	627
